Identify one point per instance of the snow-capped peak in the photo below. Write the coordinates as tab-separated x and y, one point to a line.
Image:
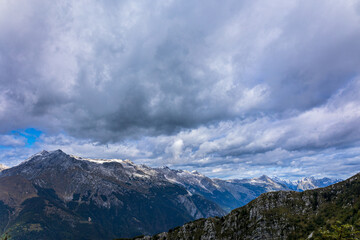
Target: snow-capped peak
100	161
307	183
3	167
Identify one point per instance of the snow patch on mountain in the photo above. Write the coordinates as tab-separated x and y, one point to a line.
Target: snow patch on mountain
90	173
307	183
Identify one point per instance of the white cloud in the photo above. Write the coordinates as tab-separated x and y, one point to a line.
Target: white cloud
191	84
12	140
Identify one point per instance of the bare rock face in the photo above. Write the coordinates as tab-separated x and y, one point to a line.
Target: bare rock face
14	190
279	215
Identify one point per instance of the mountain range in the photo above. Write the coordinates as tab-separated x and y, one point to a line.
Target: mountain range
332	212
233	193
53	195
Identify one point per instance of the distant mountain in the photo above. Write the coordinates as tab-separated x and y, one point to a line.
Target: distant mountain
53	195
307	183
234	193
228	194
312	214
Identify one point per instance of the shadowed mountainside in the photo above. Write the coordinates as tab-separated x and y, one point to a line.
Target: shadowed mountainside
57	196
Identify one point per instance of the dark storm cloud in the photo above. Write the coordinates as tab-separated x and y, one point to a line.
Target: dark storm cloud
182	82
110	70
115	70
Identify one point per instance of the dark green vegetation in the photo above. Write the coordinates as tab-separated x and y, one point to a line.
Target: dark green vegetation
327	213
340	231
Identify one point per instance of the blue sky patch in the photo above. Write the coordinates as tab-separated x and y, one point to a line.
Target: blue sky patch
31	134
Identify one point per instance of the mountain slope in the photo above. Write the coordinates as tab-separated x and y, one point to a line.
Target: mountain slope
53	195
234	193
57	196
245	190
280	215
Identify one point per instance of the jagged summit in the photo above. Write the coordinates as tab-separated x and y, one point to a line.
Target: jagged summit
43	155
264	178
45	152
58	156
46	159
307	183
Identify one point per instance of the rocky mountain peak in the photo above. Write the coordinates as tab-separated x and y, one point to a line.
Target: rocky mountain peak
49	157
41	164
307	183
45	155
264	178
43	152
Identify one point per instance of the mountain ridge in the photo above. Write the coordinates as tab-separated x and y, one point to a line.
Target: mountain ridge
228	194
107	198
281	215
118	197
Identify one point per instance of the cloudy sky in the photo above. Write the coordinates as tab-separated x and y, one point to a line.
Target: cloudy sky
230	88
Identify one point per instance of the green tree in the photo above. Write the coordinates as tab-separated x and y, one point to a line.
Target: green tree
5	237
340	231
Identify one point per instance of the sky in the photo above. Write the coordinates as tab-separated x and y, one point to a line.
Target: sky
231	89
